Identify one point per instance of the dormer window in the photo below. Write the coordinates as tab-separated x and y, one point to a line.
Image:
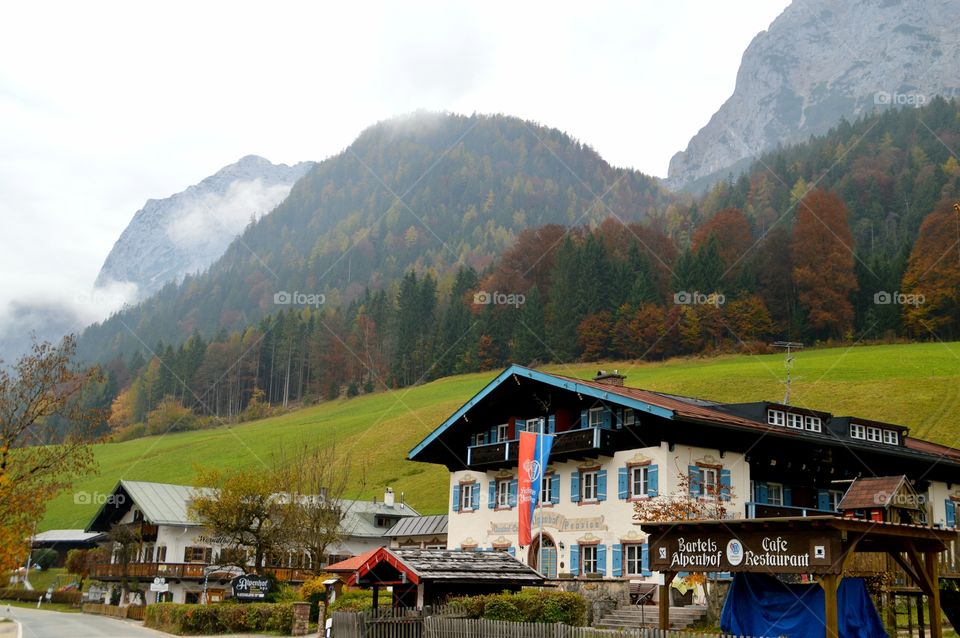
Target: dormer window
812	423
794	421
776	417
891	437
858	431
874	434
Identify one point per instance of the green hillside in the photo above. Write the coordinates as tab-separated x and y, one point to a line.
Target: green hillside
916	385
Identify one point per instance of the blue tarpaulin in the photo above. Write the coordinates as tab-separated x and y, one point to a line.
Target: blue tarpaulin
760	605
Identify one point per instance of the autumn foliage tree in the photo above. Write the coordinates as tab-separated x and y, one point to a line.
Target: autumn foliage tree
36	460
823	258
933	275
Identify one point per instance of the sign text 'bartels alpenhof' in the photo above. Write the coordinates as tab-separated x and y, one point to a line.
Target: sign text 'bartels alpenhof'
785	553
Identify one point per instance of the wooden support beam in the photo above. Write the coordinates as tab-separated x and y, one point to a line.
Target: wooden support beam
830	584
663	600
932	562
906	567
922	576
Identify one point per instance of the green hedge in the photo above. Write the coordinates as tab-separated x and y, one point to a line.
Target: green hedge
220	618
27	595
527	606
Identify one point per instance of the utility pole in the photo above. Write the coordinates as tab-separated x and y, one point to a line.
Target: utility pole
789	346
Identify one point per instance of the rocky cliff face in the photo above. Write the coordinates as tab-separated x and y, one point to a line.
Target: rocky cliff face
820	61
185	233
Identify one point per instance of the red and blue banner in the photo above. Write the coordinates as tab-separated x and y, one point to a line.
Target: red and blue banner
534	454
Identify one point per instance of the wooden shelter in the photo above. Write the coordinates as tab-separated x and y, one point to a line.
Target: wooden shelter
821	546
421	577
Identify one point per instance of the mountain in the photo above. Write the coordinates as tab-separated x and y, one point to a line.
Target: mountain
819	62
170	238
426	192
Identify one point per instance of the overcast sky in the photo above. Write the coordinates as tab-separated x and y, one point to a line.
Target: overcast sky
106	104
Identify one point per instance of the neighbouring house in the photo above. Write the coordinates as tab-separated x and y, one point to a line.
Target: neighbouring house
184	554
63	540
418	577
615	446
421	532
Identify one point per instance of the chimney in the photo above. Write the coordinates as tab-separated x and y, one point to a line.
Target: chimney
610	378
388	497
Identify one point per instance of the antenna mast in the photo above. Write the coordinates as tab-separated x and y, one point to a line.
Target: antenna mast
789	346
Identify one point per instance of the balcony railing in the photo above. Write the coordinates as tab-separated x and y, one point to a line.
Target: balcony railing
571	442
766	510
187	571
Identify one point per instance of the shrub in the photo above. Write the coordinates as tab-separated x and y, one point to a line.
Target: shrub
44	558
170	416
220	618
31	596
357	600
135	431
527	606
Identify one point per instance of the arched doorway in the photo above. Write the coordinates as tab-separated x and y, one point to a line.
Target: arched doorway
543	558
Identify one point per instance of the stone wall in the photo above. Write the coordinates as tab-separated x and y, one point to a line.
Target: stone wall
602	596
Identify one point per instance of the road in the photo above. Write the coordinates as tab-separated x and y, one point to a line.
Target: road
38	623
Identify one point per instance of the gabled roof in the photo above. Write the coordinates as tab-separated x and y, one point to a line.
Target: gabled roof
351	564
438	565
166	504
877	492
419	526
66	536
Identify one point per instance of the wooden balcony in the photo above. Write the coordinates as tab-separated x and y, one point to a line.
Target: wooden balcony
186	571
872	563
585	442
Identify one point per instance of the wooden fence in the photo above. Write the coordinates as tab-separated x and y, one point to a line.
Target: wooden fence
413	624
133	612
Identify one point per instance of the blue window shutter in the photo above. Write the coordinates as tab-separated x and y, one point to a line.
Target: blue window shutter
475	501
622	477
512	551
602	560
473	440
575	559
513	493
762	492
787	496
616	569
645	559
693	472
951	513
653	480
575	487
555	488
823	500
552	424
725	484
605	419
520	425
602	485
584	419
492	437
456	497
492	494
619	419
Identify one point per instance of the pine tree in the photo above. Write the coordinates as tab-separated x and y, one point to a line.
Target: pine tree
529	340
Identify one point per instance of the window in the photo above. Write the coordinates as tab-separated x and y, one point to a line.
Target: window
835	497
146	554
639	481
708	478
629	417
633	559
775	417
857	431
812	423
385	521
595	417
503	493
774	493
588	559
874	434
546	489
503	432
466	497
891	437
197	554
588	481
794	421
481	438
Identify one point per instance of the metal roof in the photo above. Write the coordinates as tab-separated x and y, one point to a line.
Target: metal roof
419	526
66	536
